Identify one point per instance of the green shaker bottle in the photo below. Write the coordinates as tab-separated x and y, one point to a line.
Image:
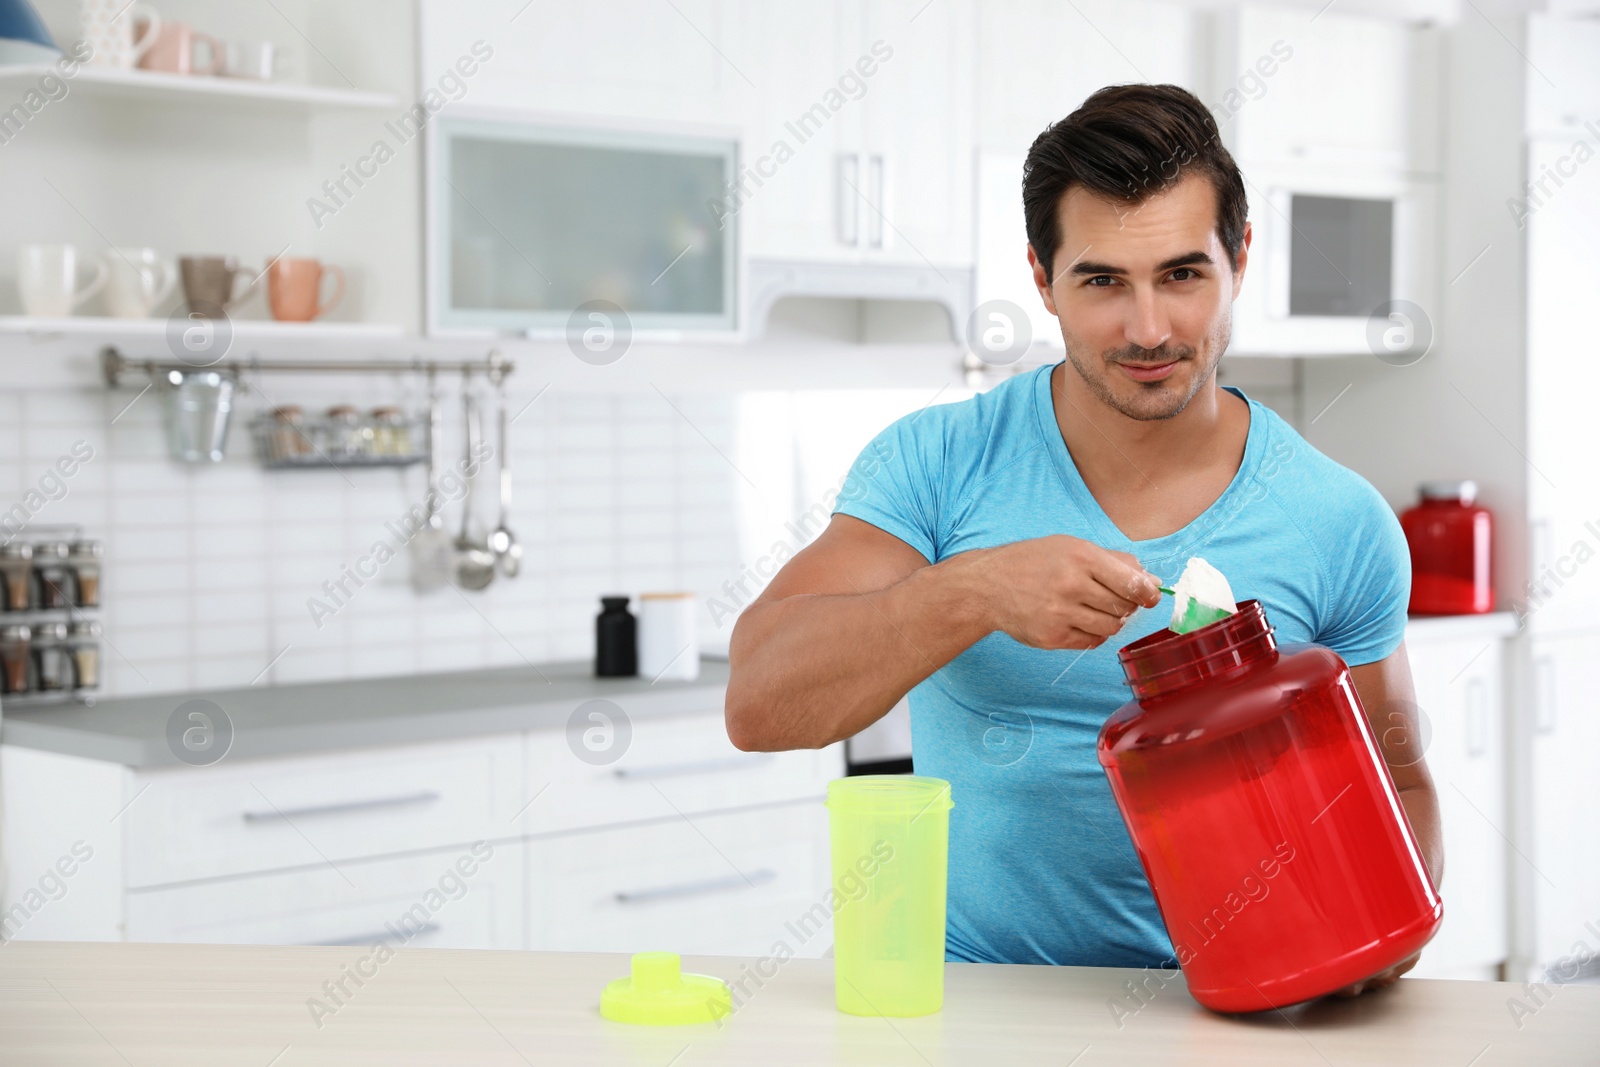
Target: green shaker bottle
890	837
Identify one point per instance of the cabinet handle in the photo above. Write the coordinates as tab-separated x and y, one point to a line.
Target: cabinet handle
695	889
847	213
1544	696
1477	717
879	208
426	797
705	766
375	936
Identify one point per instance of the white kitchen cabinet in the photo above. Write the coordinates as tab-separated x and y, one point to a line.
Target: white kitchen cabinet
611	59
466	897
682	765
1345	93
790	205
233	818
719	884
872	102
1565	803
1562	231
917	133
1563	76
1038	60
1459	684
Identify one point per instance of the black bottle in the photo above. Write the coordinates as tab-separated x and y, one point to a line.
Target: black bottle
616	640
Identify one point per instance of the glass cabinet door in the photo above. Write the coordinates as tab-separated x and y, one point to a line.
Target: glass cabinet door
532	222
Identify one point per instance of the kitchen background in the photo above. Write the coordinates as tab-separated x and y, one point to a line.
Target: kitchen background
844	286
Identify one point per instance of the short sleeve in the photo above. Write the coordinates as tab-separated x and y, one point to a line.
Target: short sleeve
894	482
1370	583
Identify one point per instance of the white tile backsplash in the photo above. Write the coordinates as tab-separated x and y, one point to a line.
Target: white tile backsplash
209	568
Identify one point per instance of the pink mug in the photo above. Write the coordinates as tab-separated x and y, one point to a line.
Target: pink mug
174	50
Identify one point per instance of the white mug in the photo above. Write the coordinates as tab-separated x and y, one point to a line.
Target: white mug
257	61
47	280
669	645
109	27
139	280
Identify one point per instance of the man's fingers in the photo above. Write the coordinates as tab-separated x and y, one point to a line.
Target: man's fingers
1124	575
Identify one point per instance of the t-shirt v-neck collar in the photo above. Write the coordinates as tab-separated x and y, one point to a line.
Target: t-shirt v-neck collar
1180	543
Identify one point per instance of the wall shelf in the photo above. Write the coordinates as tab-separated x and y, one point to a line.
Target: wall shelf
117	84
243	329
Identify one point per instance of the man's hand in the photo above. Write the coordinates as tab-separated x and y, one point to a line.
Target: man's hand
1389	698
1381	980
1061	592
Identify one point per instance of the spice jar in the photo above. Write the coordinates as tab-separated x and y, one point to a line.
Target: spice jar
390	434
16	567
347	436
55	580
84	639
289	440
16	650
53	656
85	558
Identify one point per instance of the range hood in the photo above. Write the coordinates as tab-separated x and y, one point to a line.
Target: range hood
882	303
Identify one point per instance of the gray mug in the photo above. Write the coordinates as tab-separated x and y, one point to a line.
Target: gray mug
210	283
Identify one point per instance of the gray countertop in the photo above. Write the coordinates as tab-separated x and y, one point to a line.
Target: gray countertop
288	720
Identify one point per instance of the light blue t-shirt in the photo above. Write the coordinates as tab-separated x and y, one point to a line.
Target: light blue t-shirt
1041	866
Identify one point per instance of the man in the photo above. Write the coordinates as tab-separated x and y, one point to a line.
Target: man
989	557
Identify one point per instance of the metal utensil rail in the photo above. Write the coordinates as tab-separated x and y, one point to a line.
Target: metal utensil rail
115	366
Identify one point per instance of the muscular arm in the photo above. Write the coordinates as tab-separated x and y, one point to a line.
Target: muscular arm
859	617
1390	701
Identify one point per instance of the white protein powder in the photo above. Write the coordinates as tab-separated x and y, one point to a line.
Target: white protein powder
1202	582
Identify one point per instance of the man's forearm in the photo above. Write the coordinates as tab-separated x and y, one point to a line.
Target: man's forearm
809	670
1422	808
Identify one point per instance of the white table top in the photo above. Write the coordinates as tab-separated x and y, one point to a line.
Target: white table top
175	1005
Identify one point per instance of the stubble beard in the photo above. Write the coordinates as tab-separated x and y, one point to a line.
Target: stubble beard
1152	401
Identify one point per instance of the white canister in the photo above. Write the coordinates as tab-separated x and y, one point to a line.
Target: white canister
669	644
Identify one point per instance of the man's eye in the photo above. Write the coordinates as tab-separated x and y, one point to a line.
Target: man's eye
1098	278
1186	273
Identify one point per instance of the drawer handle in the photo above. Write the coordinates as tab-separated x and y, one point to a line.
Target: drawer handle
695	889
426	797
375	936
706	766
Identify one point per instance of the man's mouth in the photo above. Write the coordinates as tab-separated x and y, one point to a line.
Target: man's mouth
1149	372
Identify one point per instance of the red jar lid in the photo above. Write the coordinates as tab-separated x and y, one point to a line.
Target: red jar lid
1164	662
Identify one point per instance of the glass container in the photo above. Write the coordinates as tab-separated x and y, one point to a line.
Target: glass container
16	566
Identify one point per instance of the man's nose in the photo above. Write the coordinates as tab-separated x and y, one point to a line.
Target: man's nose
1148	326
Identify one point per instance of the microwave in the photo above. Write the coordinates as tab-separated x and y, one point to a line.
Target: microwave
1339	264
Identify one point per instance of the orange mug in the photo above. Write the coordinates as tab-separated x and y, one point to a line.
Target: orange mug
294	288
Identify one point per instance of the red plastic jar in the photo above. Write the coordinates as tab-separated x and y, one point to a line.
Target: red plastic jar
1266	821
1449	538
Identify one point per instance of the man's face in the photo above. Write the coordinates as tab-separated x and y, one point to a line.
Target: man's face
1144	293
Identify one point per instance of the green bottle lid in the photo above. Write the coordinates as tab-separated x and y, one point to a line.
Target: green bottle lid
658	993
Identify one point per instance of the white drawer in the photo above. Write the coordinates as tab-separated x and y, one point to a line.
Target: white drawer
470	897
235	818
670	766
729	884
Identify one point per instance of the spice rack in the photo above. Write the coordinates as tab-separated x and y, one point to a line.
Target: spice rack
286	439
50	589
200	401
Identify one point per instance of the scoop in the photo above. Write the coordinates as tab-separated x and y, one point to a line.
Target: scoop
1201	597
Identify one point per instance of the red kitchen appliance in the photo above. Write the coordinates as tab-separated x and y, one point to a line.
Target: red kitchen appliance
1449	537
1266	821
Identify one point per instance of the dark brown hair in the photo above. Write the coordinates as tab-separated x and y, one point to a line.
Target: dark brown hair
1127	143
